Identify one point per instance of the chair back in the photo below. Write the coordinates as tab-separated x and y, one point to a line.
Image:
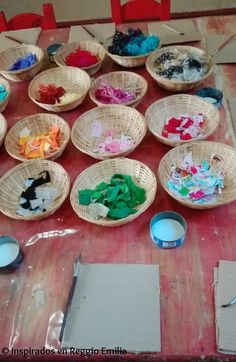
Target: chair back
30	20
134	10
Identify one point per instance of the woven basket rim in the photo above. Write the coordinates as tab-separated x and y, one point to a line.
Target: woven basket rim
8	88
187	202
25	69
170	81
28	119
199	138
129	57
135	75
57	69
4	123
101	108
49	211
129	218
79	43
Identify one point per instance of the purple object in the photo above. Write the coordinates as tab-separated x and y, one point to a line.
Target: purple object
110	95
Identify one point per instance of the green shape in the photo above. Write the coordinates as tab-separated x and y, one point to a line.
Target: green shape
120	213
138	192
184	191
112	193
132	203
123	197
85	196
96	195
124	188
121	204
102	186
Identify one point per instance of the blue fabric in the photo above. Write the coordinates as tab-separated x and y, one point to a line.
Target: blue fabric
24	62
211	93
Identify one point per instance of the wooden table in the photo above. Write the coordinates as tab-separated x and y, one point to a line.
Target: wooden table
186	273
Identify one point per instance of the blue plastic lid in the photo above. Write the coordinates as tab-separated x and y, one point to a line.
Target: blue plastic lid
52	49
210	95
168	229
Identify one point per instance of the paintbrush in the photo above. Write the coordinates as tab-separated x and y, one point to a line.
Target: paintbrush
231	302
173	29
11	38
91	34
76	270
222	45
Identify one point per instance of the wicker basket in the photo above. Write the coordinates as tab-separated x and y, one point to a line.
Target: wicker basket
202	151
3	128
4	103
127	61
121	119
103	171
12	185
38	124
122	80
174	85
9	57
93	47
172	106
70	78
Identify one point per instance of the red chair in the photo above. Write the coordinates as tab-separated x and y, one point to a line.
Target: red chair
134	10
30	20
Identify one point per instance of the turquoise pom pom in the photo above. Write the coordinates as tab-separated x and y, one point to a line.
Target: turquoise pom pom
142	44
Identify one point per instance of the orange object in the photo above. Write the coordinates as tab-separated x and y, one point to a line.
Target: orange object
41	145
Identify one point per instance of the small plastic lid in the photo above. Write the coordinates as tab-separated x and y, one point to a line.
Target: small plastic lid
210	95
52	49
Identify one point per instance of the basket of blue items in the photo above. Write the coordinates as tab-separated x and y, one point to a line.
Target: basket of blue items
21	63
131	49
179	68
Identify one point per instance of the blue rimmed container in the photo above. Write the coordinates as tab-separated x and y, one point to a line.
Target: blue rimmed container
168	229
11	254
211	95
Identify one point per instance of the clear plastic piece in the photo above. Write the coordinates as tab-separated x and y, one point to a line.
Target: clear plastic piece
33	298
49	234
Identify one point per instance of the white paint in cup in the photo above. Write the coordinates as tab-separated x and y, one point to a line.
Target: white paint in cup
8	253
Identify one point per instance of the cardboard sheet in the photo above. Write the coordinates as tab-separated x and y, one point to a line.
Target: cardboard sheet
27	36
167	36
100	31
115	305
232	108
227	54
225	290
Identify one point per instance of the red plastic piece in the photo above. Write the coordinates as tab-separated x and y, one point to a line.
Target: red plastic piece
134	10
81	58
50	94
30	20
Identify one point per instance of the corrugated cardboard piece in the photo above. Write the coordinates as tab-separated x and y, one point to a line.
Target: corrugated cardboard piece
225	290
115	305
167	36
227	54
232	109
27	36
100	31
